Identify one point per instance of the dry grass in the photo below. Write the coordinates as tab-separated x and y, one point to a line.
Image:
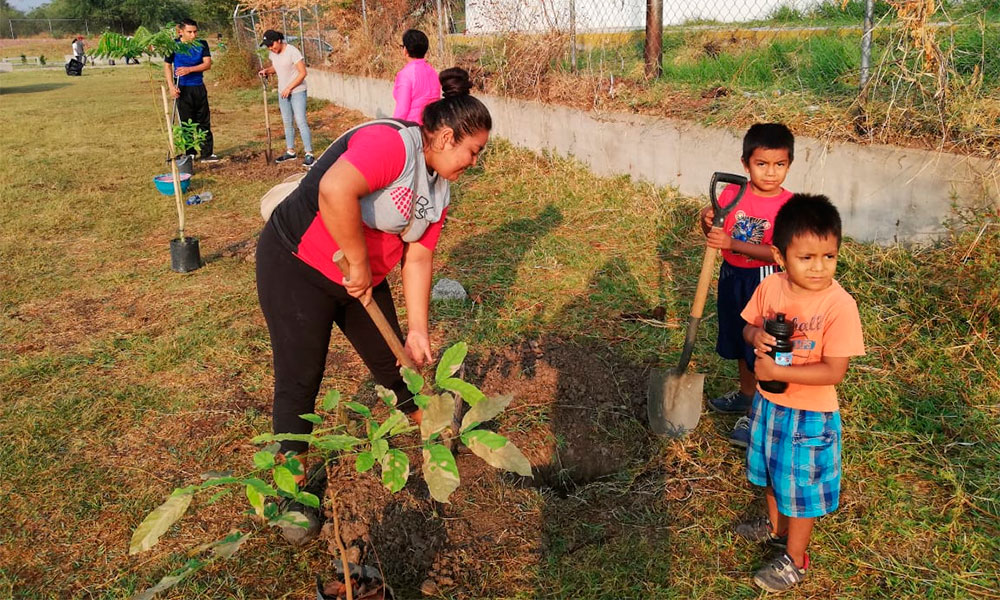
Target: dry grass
121	380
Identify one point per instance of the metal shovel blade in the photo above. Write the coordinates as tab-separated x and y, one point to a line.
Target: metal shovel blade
673	402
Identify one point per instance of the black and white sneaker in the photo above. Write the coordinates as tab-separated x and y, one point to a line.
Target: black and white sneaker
284	157
780	574
308	160
211	158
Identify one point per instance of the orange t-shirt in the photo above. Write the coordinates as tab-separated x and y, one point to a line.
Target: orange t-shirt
826	324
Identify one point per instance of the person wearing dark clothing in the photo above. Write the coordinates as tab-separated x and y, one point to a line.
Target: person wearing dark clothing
183	71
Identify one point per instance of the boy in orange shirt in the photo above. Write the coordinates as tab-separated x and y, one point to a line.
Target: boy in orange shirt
795	436
745	242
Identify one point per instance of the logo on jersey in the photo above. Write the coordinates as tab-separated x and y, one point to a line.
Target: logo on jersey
749	229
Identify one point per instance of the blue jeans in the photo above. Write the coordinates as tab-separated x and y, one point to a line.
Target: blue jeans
295	106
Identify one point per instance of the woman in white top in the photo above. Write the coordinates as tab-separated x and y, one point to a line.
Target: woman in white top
290	67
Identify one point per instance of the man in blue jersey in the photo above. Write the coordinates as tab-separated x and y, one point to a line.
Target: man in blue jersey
183	71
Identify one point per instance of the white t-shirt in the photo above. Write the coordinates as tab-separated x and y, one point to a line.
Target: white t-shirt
284	67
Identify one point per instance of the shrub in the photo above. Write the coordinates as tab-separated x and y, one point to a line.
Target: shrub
236	67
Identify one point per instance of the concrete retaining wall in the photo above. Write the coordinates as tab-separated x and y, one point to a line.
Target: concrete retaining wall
886	194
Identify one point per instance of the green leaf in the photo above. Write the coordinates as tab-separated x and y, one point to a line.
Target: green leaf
294	465
363	462
450	362
335	443
215	475
285	480
283	437
272	448
361	409
440	472
168	581
414	382
331	400
497	451
379	448
307	499
227	547
261	487
256	500
270	511
485	410
217	495
421	400
263	460
312	418
402	427
386	395
438	414
395	470
292	517
489	439
394	419
467	391
157	522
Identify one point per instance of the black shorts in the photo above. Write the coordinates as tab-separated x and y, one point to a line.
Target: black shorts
736	286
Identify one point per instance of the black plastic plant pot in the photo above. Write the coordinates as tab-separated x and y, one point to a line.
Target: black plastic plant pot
185	255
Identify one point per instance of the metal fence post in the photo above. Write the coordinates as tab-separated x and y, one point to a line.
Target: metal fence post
440	30
866	45
364	14
319	34
572	33
653	51
302	40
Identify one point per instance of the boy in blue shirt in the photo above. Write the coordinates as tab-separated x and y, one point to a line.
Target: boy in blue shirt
189	90
745	242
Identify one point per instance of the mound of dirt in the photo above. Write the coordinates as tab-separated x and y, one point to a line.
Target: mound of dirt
577	414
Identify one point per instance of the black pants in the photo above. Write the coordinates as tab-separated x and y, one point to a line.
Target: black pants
300	306
193	104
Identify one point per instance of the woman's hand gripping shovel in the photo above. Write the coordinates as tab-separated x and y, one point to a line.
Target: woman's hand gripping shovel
389	335
674	398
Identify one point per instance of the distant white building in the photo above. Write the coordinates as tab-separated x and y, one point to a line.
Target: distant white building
494	16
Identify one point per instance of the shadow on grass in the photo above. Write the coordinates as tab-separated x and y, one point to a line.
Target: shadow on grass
31	88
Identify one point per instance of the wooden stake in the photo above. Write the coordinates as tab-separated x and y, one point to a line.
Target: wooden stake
173	164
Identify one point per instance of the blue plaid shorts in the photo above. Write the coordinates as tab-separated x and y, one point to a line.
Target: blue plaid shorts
797	453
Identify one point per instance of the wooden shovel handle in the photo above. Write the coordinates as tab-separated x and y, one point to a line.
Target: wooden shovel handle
704	280
388	333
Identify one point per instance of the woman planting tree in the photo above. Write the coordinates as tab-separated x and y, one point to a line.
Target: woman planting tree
379	194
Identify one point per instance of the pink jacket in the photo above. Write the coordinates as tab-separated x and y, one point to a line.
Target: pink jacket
416	86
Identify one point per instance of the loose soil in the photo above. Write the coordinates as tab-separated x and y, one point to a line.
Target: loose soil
577	415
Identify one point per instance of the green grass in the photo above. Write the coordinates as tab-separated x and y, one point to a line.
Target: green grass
122	380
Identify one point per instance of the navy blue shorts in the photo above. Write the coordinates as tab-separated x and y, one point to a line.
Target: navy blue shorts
736	285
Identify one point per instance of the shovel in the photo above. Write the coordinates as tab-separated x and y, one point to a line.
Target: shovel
389	335
376	314
674	398
269	154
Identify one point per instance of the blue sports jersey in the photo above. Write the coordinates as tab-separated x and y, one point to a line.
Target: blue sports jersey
192	58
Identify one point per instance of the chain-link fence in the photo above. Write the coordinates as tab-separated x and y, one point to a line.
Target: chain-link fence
56	28
918	67
302	27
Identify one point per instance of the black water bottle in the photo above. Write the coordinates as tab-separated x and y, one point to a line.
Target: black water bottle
781	352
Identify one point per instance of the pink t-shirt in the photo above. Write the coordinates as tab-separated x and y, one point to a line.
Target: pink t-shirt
378	153
751	221
416	86
826	324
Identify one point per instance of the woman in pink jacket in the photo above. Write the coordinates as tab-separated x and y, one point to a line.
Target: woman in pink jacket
417	83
